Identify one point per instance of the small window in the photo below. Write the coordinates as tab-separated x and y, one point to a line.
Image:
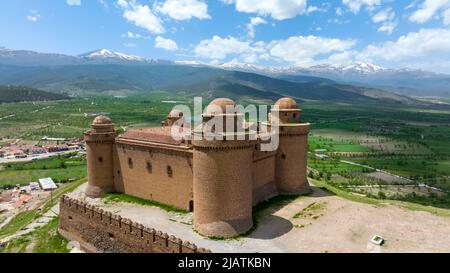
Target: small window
283	156
100	159
295	115
70	218
149	167
111	236
130	162
169	171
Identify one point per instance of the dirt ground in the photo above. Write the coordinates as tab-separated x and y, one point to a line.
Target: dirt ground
318	223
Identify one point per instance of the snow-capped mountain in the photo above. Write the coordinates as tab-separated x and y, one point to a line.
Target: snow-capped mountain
103	54
190	63
356	68
405	81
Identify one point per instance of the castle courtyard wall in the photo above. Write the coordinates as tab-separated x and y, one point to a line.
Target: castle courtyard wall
159	174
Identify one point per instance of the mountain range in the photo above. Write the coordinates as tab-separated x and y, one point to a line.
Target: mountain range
102	56
105	70
406	81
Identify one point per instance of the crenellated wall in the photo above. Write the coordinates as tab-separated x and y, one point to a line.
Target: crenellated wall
101	231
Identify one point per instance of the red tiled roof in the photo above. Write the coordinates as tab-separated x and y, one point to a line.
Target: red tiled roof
159	135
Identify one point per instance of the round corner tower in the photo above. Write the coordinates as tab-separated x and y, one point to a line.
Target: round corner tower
222	176
100	163
292	155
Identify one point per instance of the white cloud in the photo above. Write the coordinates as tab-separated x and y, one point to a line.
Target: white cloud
345	57
414	45
388	27
184	9
166	44
428	10
323	8
131	35
129	44
103	3
141	15
73	2
279	9
34	16
254	21
384	15
447	17
219	48
303	49
413	4
356	5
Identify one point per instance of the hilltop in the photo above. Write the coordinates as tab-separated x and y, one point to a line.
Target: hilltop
20	94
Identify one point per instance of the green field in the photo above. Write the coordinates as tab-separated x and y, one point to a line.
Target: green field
406	140
318	142
61	169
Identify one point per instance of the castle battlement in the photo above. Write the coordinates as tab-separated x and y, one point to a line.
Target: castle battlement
99	230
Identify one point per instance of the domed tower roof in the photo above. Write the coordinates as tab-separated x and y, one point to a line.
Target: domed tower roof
175	113
219	106
286	104
286	110
102	120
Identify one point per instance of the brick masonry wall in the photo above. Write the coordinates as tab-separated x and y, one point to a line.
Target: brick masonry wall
176	189
101	231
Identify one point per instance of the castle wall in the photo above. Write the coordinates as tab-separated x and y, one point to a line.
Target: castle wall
167	179
100	231
118	180
291	162
263	174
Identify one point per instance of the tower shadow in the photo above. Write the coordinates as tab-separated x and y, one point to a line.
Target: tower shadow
271	227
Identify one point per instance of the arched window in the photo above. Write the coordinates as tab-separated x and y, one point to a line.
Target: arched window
149	167
130	162
283	156
169	171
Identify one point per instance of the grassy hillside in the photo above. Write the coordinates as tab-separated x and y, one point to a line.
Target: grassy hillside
20	93
186	80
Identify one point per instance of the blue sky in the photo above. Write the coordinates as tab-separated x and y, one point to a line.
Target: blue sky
407	33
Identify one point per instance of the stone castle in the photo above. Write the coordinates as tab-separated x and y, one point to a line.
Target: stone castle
220	181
